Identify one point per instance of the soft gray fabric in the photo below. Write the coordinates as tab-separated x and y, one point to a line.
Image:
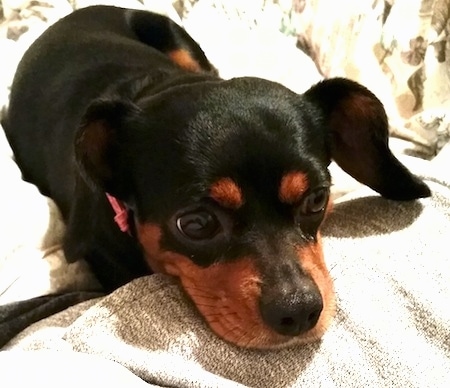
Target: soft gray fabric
55	369
17	316
390	264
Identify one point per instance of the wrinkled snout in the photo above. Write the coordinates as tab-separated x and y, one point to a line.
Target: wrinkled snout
291	309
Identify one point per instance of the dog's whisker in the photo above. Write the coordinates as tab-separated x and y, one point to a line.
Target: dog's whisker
332	267
206	291
205	305
205	296
220	314
250	334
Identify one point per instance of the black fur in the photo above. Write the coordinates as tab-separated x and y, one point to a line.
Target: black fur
97	106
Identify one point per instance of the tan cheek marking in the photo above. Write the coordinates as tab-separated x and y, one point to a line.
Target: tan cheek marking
329	208
226	294
292	186
227	193
159	261
312	261
184	59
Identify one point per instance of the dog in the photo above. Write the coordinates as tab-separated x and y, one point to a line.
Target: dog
159	165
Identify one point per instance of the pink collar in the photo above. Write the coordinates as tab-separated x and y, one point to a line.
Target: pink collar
121	211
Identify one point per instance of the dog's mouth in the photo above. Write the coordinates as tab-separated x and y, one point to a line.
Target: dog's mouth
228	294
233	311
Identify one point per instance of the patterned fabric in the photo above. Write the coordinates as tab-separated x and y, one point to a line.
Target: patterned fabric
398	48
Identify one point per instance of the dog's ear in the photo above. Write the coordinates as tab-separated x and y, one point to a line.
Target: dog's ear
99	144
358	141
165	35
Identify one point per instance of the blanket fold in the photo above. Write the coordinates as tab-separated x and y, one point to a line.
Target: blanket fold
16	316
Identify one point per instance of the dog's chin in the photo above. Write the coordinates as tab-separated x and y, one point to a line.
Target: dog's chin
273	341
257	335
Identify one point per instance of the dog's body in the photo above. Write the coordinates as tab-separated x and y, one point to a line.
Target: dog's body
225	182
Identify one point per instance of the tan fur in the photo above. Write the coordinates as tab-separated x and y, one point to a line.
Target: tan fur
292	186
227	193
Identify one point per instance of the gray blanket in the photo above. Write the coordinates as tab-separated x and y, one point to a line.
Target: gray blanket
390	265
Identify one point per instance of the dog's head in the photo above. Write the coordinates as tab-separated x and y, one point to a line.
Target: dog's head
229	185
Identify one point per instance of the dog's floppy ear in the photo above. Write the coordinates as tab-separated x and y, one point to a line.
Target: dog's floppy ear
358	141
165	35
99	144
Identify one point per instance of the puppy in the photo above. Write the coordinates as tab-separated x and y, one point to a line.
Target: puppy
157	164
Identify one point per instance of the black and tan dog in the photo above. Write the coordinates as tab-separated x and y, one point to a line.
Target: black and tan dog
220	183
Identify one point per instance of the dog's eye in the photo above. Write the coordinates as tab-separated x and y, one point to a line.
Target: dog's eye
198	225
314	202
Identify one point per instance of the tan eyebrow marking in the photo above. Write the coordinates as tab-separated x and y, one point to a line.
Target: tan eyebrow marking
227	193
292	186
184	59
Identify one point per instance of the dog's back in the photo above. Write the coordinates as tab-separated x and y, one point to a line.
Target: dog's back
98	52
92	51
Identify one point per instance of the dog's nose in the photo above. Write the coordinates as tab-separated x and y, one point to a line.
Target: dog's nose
293	312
